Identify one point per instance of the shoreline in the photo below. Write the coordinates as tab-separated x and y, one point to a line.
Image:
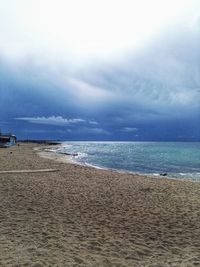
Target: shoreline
83	216
70	158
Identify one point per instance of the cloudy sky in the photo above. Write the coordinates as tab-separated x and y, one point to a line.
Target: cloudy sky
100	69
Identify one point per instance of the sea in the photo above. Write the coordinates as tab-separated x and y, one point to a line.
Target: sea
179	160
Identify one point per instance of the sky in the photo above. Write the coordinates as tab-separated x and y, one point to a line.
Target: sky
122	70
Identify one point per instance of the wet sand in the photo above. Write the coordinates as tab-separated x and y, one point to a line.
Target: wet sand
82	216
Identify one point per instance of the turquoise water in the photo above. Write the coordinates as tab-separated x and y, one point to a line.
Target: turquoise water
177	159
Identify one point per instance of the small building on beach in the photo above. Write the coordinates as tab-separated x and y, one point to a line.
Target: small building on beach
7	140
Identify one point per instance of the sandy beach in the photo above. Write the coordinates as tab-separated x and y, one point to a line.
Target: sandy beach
82	216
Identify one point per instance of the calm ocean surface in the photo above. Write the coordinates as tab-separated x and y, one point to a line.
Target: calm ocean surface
177	159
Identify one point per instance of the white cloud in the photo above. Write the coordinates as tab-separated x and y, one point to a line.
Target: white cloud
86	92
95	131
53	120
129	130
93	122
86	28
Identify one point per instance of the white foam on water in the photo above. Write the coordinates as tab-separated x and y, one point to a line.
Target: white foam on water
138	158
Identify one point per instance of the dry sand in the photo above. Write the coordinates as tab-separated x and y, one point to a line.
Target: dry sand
81	216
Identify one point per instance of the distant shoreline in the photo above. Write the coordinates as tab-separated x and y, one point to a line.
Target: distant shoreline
41	141
71	158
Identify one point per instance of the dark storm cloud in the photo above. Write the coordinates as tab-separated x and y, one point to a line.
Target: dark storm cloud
153	95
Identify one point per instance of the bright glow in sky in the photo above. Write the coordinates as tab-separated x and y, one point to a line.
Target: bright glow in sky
84	29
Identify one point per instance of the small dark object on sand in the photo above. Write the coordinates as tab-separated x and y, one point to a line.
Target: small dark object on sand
163	174
10	152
